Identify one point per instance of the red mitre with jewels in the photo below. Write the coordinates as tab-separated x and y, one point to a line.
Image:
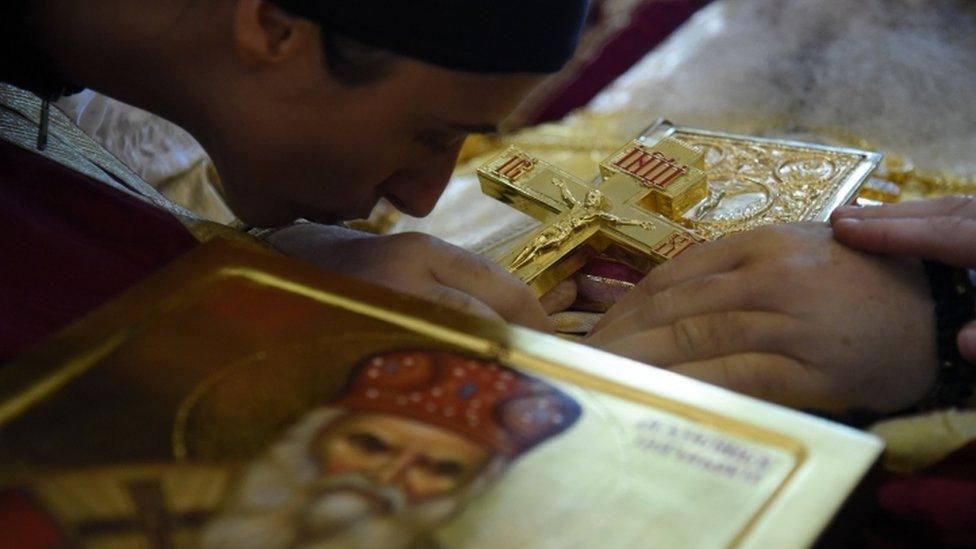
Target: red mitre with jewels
482	401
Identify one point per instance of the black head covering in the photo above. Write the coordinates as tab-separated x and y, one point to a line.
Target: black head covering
468	35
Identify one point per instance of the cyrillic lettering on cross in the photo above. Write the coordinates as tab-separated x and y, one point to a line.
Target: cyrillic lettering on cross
515	167
675	244
652	168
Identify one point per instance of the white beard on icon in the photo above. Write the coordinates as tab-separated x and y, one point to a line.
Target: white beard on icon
281	503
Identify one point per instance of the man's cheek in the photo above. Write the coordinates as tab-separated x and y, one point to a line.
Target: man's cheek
337	467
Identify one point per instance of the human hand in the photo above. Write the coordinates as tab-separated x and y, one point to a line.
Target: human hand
417	264
942	230
785	314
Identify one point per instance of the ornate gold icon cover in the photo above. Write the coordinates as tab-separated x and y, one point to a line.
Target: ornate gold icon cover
240	399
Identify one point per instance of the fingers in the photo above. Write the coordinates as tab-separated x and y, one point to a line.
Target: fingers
967	342
939	230
490	284
559	298
945	206
707	259
459	301
710	336
421	265
949	240
770	377
699	296
746	352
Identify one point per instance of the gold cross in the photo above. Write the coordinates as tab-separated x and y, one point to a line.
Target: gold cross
634	213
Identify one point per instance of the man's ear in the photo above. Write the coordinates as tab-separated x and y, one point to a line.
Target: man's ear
264	34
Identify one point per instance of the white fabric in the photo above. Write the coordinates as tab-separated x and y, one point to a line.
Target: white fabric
152	147
899	73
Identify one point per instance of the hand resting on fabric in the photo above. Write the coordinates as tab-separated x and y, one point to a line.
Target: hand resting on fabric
786	314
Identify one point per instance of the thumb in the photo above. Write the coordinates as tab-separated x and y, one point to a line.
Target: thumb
561	297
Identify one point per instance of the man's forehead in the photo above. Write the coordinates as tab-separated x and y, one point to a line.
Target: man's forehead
478	102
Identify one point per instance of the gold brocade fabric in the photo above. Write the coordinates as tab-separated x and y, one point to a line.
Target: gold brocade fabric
196	190
919	441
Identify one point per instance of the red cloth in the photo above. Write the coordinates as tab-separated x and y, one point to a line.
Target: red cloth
483	401
69	243
26	525
935	507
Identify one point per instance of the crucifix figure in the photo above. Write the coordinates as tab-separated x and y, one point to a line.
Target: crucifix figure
582	214
635	212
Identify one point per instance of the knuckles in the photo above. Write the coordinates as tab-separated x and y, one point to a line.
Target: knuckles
413	243
450	299
660	305
691	334
780	239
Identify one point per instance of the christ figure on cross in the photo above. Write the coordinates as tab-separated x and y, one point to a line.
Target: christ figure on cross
592	209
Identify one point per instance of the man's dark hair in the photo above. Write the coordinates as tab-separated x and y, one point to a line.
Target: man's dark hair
354	63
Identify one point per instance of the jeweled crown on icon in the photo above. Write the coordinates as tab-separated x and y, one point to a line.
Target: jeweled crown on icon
634	213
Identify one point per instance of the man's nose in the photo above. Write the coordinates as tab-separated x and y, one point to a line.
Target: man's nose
418	187
393	472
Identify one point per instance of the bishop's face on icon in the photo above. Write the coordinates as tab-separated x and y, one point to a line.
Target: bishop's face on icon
418	461
412	438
